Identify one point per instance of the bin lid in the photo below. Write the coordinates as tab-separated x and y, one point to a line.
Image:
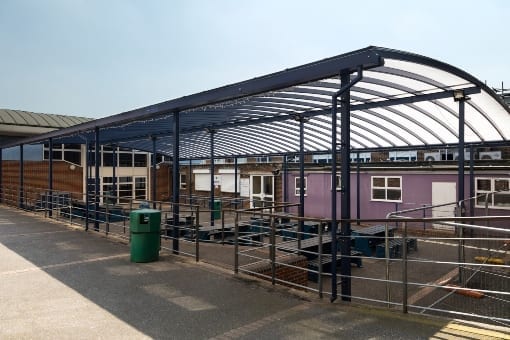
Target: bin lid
145	211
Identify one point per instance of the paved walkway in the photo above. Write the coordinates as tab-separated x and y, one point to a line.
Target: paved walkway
57	282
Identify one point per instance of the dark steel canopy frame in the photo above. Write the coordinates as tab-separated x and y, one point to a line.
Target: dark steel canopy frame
387	99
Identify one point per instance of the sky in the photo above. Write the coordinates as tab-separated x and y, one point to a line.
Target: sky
97	58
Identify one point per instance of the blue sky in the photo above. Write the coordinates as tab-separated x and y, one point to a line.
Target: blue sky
96	58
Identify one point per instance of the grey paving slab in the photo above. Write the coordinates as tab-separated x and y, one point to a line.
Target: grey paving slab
63	283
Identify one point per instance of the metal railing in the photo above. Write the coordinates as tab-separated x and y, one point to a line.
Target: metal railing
452	265
429	269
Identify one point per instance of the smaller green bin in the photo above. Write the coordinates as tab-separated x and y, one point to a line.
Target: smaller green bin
145	227
217	209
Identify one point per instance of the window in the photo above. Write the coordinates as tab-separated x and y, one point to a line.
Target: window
293	159
140	188
364	157
297	183
67	152
108	158
387	188
140	159
403	156
338	182
264	159
493	191
182	181
126	189
125	159
202	180
321	159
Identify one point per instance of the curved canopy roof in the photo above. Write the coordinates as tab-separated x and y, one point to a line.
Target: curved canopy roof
402	100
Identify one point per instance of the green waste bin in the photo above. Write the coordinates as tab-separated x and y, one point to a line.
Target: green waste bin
217	209
145	235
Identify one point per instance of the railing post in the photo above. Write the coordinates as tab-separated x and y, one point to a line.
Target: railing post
404	268
222	226
460	252
273	249
70	207
319	278
387	260
236	244
107	215
197	240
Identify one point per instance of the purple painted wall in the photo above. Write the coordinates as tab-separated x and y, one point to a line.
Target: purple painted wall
416	192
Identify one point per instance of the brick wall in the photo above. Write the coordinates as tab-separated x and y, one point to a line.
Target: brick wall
36	178
284	271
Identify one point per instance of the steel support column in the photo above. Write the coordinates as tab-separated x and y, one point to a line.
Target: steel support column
21	177
460	189
114	172
97	156
285	183
471	182
190	174
358	200
235	183
301	178
175	182
334	225
87	179
345	205
50	177
460	183
153	177
1	176
211	200
345	85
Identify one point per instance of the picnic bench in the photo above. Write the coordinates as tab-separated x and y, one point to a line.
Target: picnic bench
366	239
326	261
395	247
309	246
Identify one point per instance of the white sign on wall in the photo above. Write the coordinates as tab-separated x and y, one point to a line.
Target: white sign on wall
217	180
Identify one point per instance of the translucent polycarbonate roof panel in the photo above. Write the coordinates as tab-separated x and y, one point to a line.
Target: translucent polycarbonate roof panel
402	100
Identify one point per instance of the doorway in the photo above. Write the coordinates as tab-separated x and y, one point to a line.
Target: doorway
444	193
262	191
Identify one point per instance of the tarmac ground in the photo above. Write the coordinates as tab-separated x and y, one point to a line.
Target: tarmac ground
62	282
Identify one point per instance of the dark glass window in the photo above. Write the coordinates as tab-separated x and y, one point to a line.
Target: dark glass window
125	159
73	157
140	160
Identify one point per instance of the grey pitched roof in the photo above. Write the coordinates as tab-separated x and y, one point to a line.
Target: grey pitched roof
42	120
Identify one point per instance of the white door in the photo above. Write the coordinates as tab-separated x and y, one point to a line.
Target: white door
262	191
443	193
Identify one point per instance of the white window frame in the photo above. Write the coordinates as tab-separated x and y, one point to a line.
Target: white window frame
296	186
491	204
385	187
183	183
324	159
338	182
